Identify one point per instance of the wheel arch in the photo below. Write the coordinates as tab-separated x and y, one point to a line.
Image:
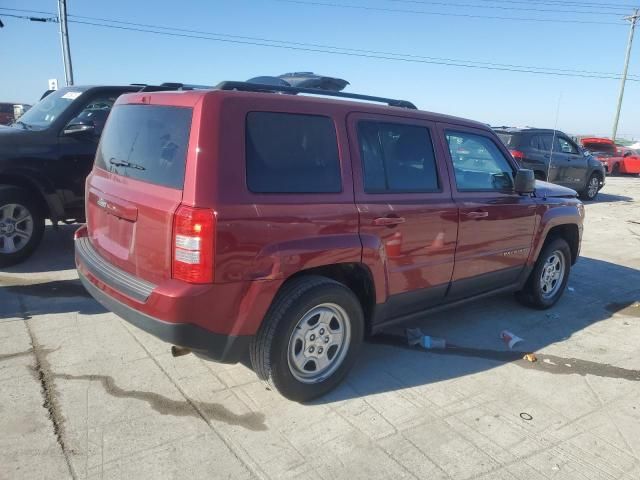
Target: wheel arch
44	202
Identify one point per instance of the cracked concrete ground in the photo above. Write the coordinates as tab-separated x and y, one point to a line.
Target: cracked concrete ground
85	395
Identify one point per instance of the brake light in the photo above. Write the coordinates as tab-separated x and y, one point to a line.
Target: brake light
517	154
193	244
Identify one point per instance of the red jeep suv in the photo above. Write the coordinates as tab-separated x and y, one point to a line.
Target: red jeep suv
255	218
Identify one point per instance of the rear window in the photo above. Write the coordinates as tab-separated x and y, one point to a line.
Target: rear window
291	153
146	142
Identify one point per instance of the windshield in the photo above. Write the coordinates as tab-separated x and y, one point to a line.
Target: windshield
47	110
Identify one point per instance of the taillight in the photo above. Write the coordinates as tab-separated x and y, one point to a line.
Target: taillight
517	154
193	244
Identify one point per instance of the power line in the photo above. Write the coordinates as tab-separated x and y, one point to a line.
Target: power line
346	53
443	14
502	7
612	6
330	49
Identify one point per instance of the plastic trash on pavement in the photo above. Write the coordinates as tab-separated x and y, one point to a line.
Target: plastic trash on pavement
510	339
416	336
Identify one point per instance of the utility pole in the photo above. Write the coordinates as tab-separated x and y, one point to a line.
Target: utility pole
64	40
633	19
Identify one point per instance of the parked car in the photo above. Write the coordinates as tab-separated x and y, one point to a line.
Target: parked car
554	157
616	160
45	157
10	112
287	226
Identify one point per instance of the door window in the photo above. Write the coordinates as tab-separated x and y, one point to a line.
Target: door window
565	146
95	112
478	163
397	158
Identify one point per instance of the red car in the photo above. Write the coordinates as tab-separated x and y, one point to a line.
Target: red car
254	219
616	160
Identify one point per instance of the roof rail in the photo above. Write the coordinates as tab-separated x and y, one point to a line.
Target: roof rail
258	87
167	86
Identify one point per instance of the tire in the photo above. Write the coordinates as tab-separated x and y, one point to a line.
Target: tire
533	294
282	351
615	170
592	188
18	240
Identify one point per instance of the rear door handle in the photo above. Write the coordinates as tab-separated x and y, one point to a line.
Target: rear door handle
388	221
477	215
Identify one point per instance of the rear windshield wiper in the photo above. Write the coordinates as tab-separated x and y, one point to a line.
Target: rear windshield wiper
124	163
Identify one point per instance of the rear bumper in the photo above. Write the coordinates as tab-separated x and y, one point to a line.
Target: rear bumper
216	320
223	348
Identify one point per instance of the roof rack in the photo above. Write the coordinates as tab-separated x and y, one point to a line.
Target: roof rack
166	86
258	87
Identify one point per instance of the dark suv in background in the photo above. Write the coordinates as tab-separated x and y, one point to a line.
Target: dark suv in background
45	157
554	157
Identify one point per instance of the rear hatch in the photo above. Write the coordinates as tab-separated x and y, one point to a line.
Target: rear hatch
600	148
137	185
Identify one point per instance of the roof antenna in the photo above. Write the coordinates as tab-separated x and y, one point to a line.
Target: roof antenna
553	141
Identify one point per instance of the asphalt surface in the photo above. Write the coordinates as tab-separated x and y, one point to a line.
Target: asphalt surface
85	395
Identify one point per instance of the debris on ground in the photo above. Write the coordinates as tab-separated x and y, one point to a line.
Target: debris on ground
416	336
571	289
510	339
530	357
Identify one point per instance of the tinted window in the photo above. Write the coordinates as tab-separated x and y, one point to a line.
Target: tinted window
288	153
397	158
542	142
478	163
146	142
95	112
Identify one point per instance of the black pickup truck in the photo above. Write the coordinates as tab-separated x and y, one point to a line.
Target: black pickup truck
45	157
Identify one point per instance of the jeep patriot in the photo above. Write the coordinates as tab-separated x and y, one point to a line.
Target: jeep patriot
254	219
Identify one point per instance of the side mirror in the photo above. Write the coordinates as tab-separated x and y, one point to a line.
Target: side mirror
525	181
79	129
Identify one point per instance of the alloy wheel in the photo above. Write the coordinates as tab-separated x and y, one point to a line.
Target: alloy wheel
16	227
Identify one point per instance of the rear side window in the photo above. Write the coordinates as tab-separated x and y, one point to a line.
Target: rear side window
291	153
146	142
509	140
397	158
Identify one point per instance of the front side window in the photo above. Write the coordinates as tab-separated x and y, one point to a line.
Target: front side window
478	163
291	153
95	112
397	158
565	146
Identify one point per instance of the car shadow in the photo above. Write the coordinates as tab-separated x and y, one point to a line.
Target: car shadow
54	253
472	333
609	198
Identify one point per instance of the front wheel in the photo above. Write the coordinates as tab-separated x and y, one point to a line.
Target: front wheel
21	225
549	277
591	190
310	338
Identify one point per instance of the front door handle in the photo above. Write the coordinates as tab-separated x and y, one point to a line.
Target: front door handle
477	215
388	221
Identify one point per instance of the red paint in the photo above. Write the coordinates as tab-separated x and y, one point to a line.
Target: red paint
613	157
407	242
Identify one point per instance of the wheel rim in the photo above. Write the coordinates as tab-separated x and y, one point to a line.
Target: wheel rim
593	187
16	227
552	274
319	343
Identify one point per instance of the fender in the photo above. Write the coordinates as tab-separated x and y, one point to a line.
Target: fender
553	215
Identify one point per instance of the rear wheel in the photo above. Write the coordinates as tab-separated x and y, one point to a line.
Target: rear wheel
591	189
21	225
549	277
309	339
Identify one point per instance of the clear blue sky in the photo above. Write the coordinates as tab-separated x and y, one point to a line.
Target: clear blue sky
30	53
